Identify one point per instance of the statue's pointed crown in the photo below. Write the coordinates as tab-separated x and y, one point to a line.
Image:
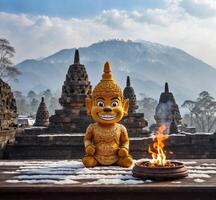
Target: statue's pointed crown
107	86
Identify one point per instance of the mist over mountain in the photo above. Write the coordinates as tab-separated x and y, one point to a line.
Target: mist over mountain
149	66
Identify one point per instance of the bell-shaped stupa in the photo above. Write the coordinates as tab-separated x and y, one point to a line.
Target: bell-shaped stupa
134	121
72	117
42	115
167	111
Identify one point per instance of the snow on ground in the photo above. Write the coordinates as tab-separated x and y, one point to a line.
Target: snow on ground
140	138
43	181
176	182
198	175
73	172
61	135
209	164
199	133
42	163
188	162
177	135
36	127
202	167
68	172
202	171
117	181
198	180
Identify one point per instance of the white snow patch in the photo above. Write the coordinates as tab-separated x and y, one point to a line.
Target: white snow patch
36	127
176	135
198	176
116	168
66	181
102	172
117	181
10	172
198	180
201	167
140	138
176	182
43	181
39	163
202	171
61	135
73	176
56	164
198	133
188	162
209	164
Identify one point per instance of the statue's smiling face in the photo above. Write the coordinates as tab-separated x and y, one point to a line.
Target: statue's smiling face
107	110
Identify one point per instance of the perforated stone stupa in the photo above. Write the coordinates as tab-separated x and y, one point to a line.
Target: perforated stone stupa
42	116
167	111
8	115
8	109
134	122
72	117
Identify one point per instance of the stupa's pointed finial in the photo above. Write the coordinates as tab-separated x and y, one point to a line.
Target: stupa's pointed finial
76	57
166	88
107	73
42	99
128	81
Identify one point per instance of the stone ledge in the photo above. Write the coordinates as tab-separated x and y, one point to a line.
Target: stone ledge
187	188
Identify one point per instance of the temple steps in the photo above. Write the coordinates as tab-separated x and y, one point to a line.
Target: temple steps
43	152
30	145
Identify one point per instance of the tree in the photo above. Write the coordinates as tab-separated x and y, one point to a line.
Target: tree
18	95
31	94
34	106
23	106
53	104
203	111
47	94
28	104
148	106
190	106
7	69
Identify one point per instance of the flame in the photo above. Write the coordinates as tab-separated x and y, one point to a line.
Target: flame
158	154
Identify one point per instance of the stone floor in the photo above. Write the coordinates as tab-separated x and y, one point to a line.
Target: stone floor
55	179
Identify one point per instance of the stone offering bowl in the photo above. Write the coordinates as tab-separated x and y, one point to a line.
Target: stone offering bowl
174	170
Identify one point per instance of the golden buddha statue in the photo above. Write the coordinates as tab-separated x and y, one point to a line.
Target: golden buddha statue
106	141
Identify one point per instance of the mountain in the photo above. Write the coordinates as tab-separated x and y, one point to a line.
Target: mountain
148	64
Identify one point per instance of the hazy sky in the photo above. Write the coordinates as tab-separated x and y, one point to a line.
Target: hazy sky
38	28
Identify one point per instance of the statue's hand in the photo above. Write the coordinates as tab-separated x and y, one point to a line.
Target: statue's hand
90	150
123	152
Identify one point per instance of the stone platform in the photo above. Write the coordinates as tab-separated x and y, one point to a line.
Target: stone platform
69	179
5	138
36	143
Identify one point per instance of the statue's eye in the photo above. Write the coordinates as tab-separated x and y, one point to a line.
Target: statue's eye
100	103
114	104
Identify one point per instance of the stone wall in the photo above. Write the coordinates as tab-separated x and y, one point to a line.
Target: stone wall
8	115
36	144
5	138
180	146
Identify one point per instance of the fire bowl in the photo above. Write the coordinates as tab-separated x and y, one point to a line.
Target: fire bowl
174	170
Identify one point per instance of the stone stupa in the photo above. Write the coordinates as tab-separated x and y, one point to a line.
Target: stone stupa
42	116
8	116
167	111
72	117
8	109
134	122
